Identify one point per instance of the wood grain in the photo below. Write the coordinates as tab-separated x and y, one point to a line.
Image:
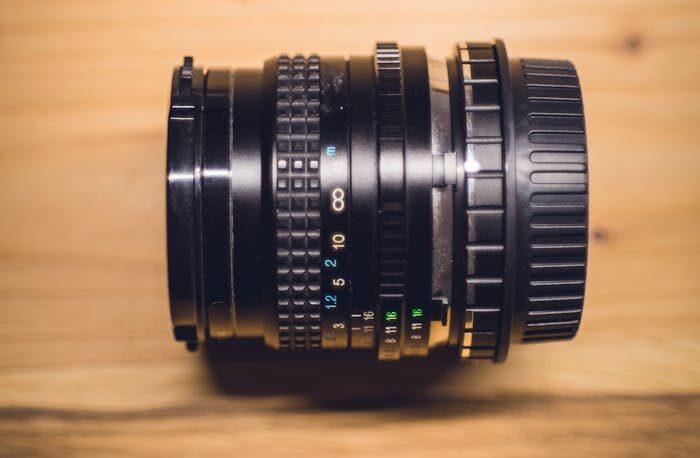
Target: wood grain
87	365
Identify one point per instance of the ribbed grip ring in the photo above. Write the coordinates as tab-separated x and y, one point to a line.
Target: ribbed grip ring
552	193
485	205
297	203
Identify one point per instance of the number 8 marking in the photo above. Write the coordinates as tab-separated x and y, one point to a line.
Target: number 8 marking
338	203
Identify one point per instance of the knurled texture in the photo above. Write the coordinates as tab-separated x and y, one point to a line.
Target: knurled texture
297	203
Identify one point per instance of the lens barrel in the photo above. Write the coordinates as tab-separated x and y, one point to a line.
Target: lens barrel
393	203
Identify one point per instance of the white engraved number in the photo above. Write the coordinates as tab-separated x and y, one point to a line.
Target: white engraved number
338	203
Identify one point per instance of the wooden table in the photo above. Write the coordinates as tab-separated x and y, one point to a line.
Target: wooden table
87	363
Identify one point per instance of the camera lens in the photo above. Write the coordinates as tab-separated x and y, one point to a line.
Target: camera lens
392	203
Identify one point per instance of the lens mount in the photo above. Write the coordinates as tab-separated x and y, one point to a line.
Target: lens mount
183	203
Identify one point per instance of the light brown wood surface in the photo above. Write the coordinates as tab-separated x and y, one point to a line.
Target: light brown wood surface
87	363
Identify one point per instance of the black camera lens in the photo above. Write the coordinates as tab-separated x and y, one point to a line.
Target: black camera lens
392	203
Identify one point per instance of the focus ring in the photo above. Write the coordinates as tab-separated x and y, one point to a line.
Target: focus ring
392	214
485	204
297	203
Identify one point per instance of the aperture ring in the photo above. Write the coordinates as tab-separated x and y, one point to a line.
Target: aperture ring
392	212
297	202
485	204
